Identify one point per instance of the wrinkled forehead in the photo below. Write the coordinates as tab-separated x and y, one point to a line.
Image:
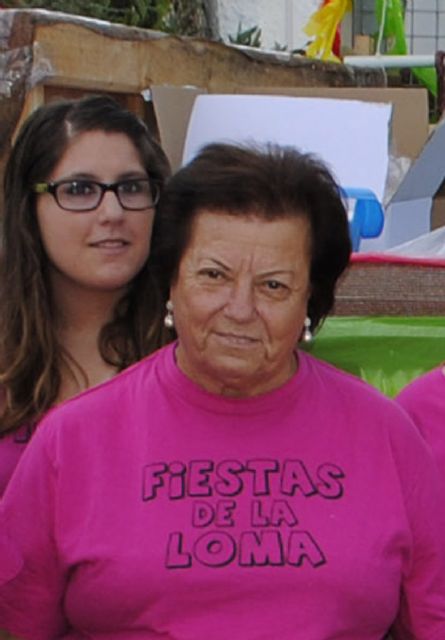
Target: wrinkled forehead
228	232
217	219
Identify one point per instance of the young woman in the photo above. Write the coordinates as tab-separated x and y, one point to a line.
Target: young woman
78	303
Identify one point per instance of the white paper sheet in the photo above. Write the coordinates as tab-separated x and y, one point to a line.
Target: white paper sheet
351	136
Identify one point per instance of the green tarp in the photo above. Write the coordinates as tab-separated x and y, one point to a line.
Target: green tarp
387	352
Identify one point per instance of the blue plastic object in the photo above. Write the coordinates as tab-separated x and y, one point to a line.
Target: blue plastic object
367	216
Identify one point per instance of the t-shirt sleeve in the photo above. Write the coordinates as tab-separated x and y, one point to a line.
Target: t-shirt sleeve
422	599
412	399
31	575
424	401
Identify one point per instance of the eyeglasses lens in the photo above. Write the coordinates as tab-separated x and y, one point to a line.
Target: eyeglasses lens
78	195
135	194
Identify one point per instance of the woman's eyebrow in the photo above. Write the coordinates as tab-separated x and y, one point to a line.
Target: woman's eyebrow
76	175
277	272
137	174
216	262
129	175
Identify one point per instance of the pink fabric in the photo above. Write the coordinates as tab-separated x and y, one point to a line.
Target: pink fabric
387	258
424	400
12	447
149	509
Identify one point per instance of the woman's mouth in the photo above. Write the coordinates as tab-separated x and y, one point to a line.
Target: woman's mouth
115	243
237	340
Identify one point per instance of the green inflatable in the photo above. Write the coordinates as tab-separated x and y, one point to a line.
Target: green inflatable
393	19
387	352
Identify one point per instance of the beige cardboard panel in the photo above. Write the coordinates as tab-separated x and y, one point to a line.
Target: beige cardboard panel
438	208
410	109
438	213
173	106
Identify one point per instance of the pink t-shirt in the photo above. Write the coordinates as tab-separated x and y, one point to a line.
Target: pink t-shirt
424	400
12	446
148	509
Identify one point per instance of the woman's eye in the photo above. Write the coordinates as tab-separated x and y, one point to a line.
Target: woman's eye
133	186
275	288
274	285
78	188
211	274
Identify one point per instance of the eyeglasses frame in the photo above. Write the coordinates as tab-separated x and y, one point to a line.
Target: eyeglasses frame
51	187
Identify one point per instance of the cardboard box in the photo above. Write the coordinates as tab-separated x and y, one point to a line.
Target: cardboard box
363	45
438	210
409	212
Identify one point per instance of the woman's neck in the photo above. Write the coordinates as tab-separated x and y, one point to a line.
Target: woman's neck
80	317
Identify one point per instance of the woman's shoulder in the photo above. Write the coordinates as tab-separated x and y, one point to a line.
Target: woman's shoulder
342	380
424	401
364	414
12	446
344	393
109	398
81	425
425	385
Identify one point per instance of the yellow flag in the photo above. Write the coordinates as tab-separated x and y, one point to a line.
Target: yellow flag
322	26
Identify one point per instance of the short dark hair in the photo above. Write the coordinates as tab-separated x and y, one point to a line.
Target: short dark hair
268	181
30	359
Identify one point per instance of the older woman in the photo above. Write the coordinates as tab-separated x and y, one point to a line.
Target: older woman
230	486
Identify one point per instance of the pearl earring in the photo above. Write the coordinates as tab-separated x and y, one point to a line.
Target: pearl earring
169	320
307	333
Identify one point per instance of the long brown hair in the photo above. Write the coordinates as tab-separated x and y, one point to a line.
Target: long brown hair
31	357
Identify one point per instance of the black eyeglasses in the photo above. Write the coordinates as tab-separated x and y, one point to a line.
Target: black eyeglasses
135	194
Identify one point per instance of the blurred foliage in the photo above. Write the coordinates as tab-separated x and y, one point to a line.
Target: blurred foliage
185	17
248	37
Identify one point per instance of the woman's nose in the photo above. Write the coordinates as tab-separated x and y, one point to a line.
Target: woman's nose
110	209
240	305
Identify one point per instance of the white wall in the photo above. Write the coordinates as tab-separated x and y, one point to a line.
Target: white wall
283	21
280	21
